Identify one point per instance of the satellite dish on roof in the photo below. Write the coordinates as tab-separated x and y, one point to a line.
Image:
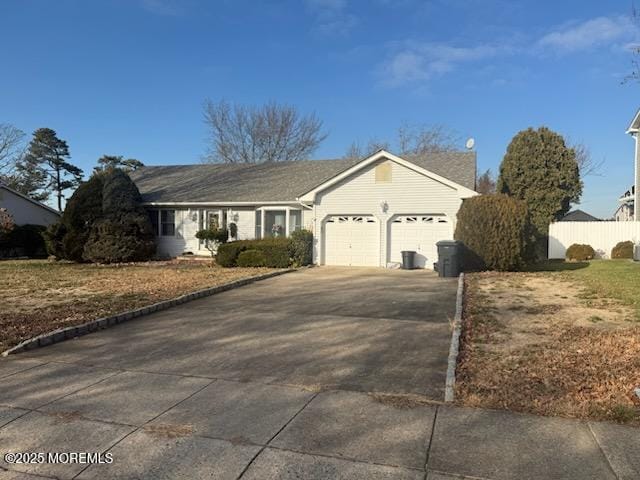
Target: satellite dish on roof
470	143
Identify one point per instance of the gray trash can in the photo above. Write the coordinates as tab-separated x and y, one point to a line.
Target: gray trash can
449	262
408	259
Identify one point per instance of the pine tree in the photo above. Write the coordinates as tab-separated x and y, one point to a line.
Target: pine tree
49	155
107	162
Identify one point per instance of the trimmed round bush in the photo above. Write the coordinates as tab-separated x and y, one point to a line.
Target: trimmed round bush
580	253
496	233
227	253
623	250
251	258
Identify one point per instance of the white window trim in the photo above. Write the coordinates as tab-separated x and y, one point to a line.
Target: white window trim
287	209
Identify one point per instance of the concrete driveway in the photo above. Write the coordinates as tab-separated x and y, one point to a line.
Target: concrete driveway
199	390
325	373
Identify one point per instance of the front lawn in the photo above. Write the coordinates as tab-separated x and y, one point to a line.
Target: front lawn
38	296
564	340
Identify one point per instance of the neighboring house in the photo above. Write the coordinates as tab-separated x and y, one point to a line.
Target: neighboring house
629	199
361	213
624	213
25	210
578	216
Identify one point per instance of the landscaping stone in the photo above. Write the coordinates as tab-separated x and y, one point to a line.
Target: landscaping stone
504	446
236	411
130	397
357	426
38	432
274	464
157	456
621	446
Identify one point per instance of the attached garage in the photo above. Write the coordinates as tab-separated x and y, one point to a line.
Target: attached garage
369	213
419	233
352	240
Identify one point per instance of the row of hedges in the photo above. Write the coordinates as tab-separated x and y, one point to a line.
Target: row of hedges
579	252
496	234
269	252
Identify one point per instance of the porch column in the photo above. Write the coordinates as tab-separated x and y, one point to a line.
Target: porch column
286	221
262	215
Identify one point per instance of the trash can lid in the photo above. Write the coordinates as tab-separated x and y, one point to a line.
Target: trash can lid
448	243
407	251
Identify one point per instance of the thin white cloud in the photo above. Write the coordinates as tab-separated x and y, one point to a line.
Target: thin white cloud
414	62
332	17
163	7
600	31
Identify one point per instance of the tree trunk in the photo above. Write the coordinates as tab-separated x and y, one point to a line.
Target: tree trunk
58	189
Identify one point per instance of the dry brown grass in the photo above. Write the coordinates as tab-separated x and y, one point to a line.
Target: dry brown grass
542	344
37	296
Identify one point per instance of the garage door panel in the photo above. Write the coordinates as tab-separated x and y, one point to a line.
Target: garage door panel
419	233
351	240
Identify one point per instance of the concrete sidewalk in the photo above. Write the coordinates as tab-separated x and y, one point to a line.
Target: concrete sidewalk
166	426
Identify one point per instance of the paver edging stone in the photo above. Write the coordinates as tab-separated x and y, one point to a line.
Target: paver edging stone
454	348
74	331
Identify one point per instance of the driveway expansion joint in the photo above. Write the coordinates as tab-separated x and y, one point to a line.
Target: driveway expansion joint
606	458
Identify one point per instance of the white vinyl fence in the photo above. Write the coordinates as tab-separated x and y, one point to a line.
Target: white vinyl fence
602	236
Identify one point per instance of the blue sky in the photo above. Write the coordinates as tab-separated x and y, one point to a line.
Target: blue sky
128	77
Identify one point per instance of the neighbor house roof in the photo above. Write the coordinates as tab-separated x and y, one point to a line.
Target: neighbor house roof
29	199
272	182
579	216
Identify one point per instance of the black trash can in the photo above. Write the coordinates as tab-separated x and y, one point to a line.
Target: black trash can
408	259
449	261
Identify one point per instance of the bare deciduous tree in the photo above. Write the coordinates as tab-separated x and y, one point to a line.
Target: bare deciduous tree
421	139
411	140
271	133
586	164
486	183
356	151
12	145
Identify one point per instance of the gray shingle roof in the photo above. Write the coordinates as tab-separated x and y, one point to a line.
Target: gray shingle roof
268	182
579	216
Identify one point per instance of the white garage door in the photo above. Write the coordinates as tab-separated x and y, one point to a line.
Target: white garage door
352	240
419	233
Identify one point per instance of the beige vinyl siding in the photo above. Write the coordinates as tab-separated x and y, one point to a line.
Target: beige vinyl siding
246	223
407	193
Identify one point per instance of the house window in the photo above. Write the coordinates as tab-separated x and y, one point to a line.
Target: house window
168	223
153	215
258	223
275	223
295	220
